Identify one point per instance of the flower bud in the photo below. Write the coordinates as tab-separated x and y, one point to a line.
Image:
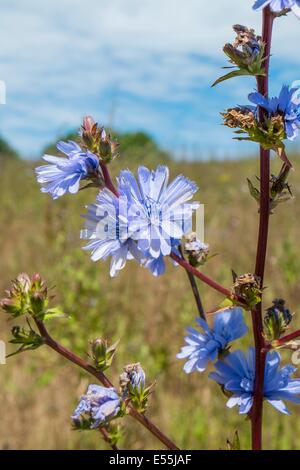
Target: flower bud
132	385
17	301
132	377
108	149
277	320
27	296
27	339
90	133
102	354
38	295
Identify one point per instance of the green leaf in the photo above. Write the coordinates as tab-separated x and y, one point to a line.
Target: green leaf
234	73
253	190
235	444
55	312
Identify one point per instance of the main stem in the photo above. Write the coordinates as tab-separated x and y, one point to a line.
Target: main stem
260	353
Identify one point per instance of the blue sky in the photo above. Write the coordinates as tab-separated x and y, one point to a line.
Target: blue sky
135	64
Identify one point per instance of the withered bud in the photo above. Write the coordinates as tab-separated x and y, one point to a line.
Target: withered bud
196	250
247	286
239	117
244	36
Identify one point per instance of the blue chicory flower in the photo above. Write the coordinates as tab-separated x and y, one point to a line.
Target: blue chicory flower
204	347
279	5
237	373
100	405
107	230
145	223
287	105
159	213
64	174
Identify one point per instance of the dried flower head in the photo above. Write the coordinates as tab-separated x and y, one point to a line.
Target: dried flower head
196	250
239	117
247	286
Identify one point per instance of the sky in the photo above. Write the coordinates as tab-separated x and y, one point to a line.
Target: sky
132	64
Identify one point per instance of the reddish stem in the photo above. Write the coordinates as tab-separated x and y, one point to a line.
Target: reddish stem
206	279
104	380
286	338
260	354
106	438
107	179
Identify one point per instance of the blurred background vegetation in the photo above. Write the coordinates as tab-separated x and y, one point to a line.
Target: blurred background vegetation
39	389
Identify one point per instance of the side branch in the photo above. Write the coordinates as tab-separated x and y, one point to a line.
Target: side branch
210	282
104	380
195	290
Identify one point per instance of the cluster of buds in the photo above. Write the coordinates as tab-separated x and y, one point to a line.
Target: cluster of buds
27	339
196	250
269	134
133	387
95	139
277	320
246	53
26	296
103	354
247	287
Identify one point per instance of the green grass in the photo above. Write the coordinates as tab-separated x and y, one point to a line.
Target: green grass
39	389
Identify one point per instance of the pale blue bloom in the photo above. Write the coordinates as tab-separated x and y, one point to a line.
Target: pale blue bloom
287	105
100	405
159	212
204	347
107	230
237	373
279	5
64	174
146	221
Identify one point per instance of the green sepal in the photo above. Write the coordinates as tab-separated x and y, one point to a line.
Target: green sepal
28	339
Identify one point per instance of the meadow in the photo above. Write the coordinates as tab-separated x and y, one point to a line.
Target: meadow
39	390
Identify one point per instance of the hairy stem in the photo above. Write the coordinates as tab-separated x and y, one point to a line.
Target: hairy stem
49	341
260	354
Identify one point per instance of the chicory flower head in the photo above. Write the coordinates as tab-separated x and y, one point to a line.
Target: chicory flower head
146	221
159	212
287	105
64	174
107	230
207	346
98	406
236	373
279	5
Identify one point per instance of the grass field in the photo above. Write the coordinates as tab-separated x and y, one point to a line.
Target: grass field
39	389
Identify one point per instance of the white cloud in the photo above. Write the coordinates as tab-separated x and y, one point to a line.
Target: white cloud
153	60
